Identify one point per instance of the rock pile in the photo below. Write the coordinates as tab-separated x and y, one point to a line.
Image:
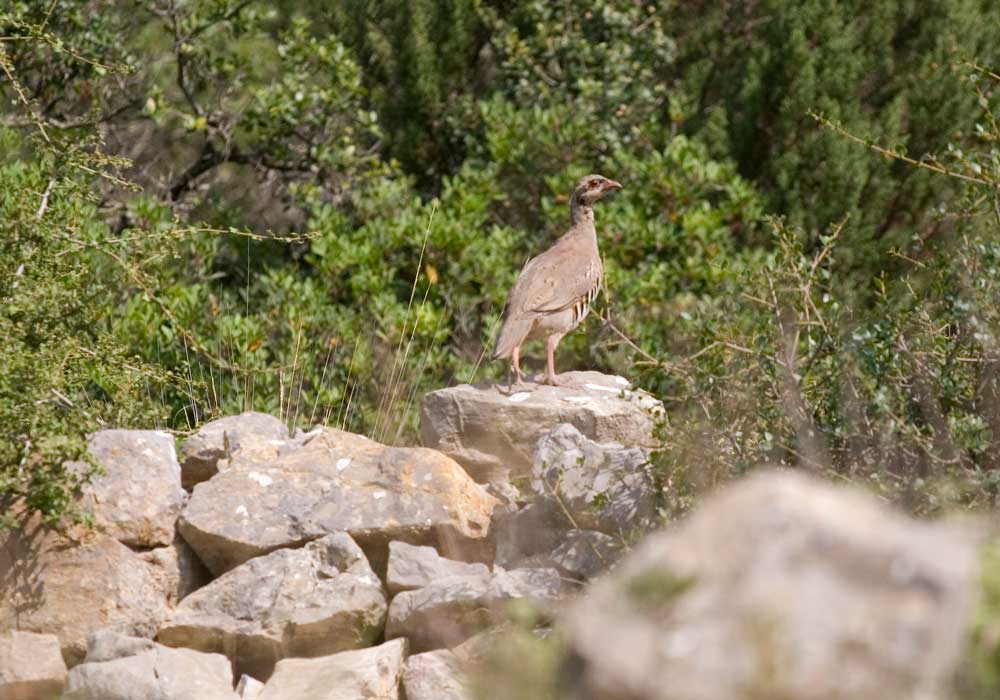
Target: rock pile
324	565
279	562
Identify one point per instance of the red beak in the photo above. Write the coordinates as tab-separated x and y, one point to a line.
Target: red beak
612	185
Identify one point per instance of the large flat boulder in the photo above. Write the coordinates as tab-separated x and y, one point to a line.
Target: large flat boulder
118	667
217	441
365	674
780	586
337	481
71	584
450	610
31	666
492	432
314	601
139	496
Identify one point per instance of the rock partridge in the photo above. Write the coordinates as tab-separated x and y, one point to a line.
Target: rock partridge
554	291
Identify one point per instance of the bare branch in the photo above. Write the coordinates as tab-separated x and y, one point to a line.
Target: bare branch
45	200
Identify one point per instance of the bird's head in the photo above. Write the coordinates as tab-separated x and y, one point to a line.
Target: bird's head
592	188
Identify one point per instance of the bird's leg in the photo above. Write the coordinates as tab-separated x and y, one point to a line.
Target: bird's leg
518	375
550	346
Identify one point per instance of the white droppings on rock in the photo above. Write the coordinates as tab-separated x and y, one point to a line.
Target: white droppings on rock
378	494
519	397
678	645
140	441
343	463
598	387
578	399
242	510
147	452
279	443
622	380
262	479
428	476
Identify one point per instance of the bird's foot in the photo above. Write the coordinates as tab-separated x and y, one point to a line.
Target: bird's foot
517	388
518	383
554	380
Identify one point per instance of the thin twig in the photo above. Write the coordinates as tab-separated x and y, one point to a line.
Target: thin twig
931	165
45	200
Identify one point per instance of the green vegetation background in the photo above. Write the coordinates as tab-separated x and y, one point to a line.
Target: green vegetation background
315	209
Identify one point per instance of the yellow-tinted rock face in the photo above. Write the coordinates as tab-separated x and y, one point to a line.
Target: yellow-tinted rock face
337	481
69	587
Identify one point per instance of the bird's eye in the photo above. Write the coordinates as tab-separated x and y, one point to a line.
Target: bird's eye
592	184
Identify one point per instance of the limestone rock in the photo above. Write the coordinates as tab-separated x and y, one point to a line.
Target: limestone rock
605	487
337	481
31	666
528	535
220	439
412	566
178	569
313	601
452	609
541	535
493	433
435	675
505	492
780	586
123	668
138	498
249	688
52	584
365	674
583	554
478	647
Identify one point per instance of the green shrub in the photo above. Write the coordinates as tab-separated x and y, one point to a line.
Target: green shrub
752	71
62	374
901	393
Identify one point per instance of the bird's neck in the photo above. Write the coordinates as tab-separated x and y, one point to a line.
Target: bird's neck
582	223
580	214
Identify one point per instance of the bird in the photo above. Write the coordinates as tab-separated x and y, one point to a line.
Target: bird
553	293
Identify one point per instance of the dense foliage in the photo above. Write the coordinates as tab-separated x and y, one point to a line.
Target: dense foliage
316	210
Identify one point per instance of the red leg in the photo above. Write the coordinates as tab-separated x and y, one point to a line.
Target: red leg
515	357
551	344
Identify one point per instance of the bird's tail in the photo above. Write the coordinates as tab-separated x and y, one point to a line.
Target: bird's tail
512	333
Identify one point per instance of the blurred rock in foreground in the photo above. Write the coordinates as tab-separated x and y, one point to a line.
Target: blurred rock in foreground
780	586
